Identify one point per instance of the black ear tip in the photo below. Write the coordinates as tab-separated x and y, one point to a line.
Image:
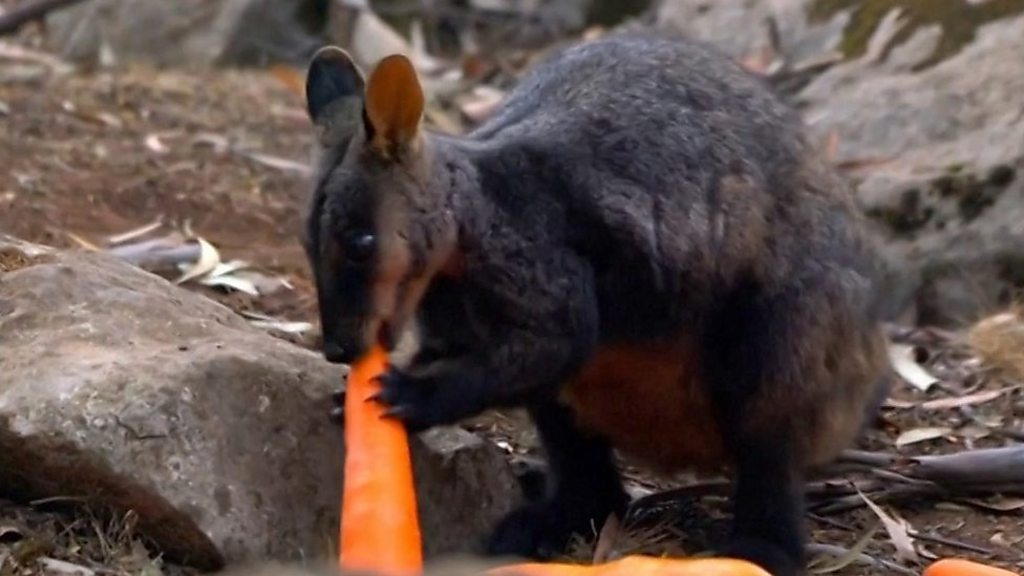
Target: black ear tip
332	75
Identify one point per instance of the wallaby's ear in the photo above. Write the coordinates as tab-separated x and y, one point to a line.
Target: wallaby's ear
334	85
394	104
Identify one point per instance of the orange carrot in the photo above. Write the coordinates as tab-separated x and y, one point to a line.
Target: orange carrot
638	566
961	567
379	525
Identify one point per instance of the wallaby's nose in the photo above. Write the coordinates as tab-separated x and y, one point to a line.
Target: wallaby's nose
336	353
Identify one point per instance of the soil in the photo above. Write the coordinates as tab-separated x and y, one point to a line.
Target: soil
76	164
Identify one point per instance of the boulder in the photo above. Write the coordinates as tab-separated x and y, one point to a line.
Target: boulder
924	108
118	386
187	32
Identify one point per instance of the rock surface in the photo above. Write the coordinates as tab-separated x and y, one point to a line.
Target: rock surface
187	32
117	385
924	108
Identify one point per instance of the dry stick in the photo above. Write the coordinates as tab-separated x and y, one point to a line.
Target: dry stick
935	538
860	558
26	12
855	501
970	470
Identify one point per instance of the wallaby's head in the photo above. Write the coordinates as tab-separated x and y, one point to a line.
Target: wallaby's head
381	220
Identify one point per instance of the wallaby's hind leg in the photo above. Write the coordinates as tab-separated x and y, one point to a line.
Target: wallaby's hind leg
583	488
768	508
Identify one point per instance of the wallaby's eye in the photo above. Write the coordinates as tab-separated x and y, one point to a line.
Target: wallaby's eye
359	246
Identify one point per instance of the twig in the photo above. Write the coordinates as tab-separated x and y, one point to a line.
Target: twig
935	538
968	470
861	558
902	492
28	11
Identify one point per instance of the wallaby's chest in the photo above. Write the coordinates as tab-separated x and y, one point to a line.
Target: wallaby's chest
650	403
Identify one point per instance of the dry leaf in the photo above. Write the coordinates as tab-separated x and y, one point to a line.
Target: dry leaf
899	404
228	267
902	357
850	556
605	545
156	145
916	435
229	281
218	142
1000	539
82	242
136	233
897	528
974	432
11	533
278	163
479	103
54	566
283	326
209	258
958	401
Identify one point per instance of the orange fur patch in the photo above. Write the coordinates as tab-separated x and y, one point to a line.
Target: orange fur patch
649	402
394	103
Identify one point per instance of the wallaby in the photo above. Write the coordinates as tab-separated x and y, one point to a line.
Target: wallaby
640	247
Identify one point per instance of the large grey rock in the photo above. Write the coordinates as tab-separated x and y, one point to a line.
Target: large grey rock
119	386
926	111
187	32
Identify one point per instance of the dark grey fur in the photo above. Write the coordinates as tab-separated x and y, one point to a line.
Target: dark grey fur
633	189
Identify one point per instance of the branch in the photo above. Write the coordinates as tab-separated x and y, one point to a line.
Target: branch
963	471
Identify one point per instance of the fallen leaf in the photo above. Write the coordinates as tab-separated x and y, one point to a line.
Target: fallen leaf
10	533
850	556
136	233
54	566
82	242
1000	539
278	163
958	401
218	142
974	432
606	539
479	103
283	326
898	404
228	267
209	258
902	357
915	435
229	281
156	145
897	528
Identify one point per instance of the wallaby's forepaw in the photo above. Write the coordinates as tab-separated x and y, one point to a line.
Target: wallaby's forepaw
766	555
431	397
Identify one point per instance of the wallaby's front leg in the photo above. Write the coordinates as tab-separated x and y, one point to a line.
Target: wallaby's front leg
532	336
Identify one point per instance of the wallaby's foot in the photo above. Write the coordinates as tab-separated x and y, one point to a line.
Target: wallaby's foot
766	555
542	530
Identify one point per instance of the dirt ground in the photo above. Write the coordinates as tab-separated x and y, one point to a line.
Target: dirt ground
84	157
